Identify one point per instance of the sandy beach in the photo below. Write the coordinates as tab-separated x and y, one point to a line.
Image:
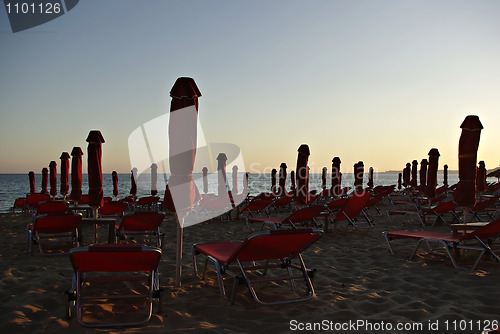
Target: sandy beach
357	280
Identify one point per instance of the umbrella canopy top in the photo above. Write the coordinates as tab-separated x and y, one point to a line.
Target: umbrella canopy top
95	136
471	123
283	165
222	158
76	152
52	164
304	149
186	88
336	160
424	163
65	156
434	152
235	169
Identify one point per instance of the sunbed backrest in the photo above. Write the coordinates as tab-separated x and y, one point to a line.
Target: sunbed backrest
142	221
490	230
57	223
304	214
356	203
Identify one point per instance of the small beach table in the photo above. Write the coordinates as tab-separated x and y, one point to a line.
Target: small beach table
109	221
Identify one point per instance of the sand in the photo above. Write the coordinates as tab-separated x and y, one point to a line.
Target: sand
357	280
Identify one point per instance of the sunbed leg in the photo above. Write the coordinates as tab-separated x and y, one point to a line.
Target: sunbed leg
205	267
416	249
221	281
389	215
388	243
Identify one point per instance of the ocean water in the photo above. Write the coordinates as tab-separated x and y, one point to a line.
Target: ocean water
13	186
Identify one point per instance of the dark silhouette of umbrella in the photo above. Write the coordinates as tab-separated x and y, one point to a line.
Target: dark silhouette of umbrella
31	178
465	192
273	180
133	183
154	179
302	174
432	169
445	175
245	183
45	180
221	176
481	177
76	174
234	176
414	173
370	178
358	175
334	190
205	179
423	174
114	177
400	180
94	170
53	178
407	175
64	186
282	179
323	178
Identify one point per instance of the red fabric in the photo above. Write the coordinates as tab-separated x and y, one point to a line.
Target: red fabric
133	182
53	207
76	174
114	176
400	177
142	221
94	168
370	178
430	188
113	208
423	174
292	180
358	175
273	181
221	176
407	175
481	177
57	223
53	178
154	179
445	175
282	179
64	186
302	174
45	180
31	176
465	193
414	172
335	176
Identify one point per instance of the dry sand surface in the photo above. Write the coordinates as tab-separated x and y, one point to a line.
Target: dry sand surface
357	280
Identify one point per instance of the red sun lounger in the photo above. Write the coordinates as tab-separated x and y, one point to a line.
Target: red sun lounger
120	278
266	256
294	220
478	240
141	227
437	211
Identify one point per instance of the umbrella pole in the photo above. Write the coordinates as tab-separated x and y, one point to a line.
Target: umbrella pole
178	268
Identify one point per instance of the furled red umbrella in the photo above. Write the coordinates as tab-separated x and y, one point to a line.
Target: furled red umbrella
221	176
273	180
245	183
292	181
370	178
45	180
323	178
302	173
407	175
205	179
445	176
282	179
481	177
76	174
182	133
400	177
335	177
234	176
64	186
154	177
423	174
414	172
114	177
432	169
31	177
465	193
94	170
358	175
53	178
133	183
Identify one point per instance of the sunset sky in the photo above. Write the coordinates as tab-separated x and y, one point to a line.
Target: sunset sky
382	81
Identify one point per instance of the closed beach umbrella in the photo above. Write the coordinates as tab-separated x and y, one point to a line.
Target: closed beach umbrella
407	175
323	178
481	177
245	183
234	176
370	177
114	177
359	169
154	177
221	176
133	182
273	180
445	175
400	177
335	177
205	179
465	193
282	179
423	174
31	178
414	172
182	133
292	181
53	178
45	180
94	169
76	174
430	188
302	172
64	186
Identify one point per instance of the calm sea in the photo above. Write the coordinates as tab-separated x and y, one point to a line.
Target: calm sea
13	186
